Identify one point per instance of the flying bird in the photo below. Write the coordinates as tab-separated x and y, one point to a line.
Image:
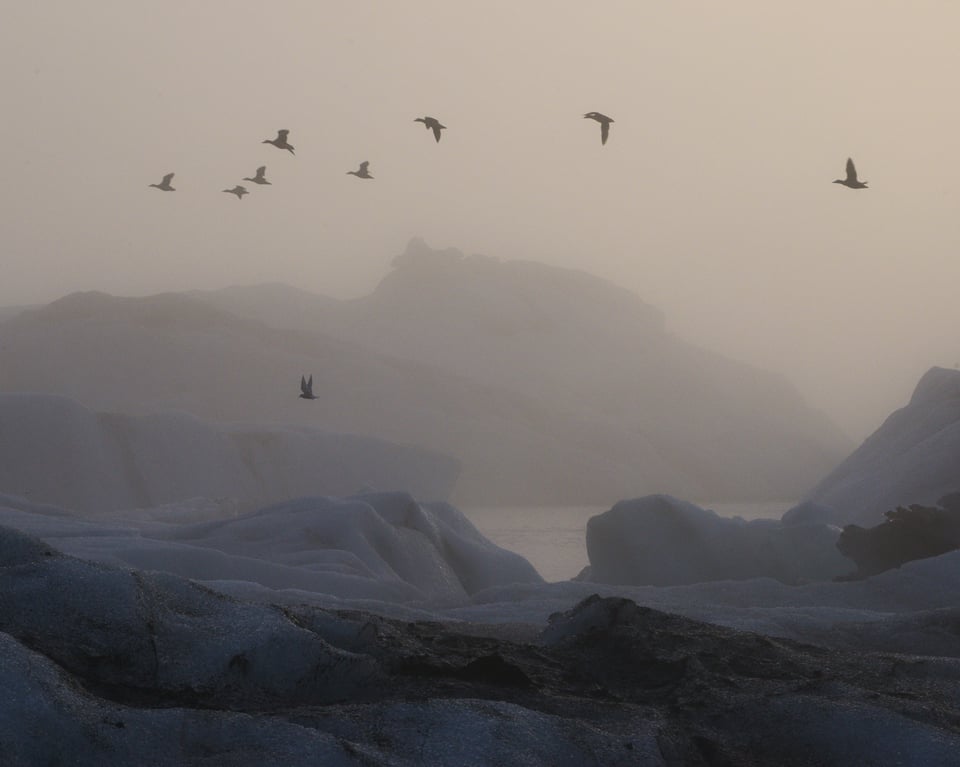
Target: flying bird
165	184
238	190
604	124
306	388
280	142
362	172
432	123
851	180
259	177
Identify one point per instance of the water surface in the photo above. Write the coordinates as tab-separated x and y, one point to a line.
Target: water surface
553	538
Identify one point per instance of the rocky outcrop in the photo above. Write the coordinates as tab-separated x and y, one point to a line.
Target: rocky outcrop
909	533
138	668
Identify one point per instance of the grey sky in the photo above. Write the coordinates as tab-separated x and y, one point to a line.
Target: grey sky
712	198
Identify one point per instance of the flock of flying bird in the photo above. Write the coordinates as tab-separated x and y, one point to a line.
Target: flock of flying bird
260	177
432	124
280	142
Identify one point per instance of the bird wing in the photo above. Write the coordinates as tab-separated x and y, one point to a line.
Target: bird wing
261	171
436	130
303	384
282	134
851	170
604	132
167	178
310	385
363	166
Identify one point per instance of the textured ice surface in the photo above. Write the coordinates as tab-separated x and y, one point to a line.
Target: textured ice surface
54	450
384	547
129	666
662	541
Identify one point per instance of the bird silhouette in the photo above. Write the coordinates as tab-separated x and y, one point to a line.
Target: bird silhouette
361	172
851	180
604	124
306	388
238	190
259	177
431	123
280	142
165	184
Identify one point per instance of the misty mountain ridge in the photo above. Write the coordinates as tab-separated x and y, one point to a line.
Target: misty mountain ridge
554	334
548	385
538	329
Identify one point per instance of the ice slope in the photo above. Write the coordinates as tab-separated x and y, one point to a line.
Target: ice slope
382	546
914	457
55	450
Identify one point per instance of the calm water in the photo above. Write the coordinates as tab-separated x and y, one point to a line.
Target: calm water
553	538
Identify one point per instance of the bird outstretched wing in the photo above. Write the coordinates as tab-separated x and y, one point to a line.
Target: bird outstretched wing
436	130
364	165
604	132
851	170
304	389
261	171
167	178
282	134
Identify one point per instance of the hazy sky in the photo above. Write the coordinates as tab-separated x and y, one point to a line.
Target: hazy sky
712	198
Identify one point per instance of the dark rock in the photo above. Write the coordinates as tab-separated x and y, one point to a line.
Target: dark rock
909	533
141	668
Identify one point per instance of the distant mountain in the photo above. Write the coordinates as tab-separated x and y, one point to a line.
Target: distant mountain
53	450
7	312
914	457
273	303
549	386
664	412
172	352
